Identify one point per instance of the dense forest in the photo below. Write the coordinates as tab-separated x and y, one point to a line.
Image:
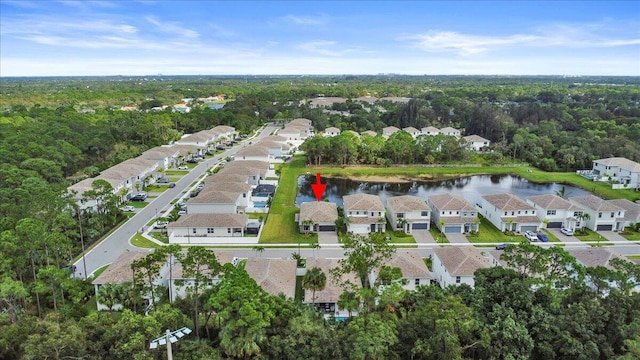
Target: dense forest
54	131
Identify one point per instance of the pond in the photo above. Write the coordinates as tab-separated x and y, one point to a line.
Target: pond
472	188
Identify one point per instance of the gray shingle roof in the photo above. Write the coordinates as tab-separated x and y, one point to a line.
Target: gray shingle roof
119	271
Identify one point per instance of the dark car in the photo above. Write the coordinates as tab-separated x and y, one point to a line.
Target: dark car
192	161
501	246
71	268
139	197
543	237
172	185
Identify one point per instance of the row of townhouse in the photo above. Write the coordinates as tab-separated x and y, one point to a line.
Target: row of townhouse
297	131
366	213
451	213
132	175
476	142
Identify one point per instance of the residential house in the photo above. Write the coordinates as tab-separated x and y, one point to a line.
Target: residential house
509	213
181	108
219	177
555	212
603	215
179	283
631	211
624	171
594	256
216	202
412	131
296	134
253	152
414	270
408	213
120	272
327	299
430	130
317	216
196	227
388	131
370	133
452	214
276	149
477	143
233	187
365	213
166	157
78	191
275	276
331	131
455	265
450	131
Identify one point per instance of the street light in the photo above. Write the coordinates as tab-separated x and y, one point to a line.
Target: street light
169	338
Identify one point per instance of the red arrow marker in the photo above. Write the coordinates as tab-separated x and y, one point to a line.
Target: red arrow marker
318	188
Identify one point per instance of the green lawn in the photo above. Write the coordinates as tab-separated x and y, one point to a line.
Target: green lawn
399	237
631	235
158	235
591	236
99	271
142	242
490	234
438	236
177	172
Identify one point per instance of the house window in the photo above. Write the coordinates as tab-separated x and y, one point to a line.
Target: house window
519	212
209	230
194	230
551	212
357	212
424	213
613	214
457	279
372	214
577	213
400	215
513	213
244	195
457	212
505	213
599	215
450	212
228	230
443	213
417	282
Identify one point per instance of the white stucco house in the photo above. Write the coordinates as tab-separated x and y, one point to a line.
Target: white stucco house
555	212
412	131
603	214
631	211
317	216
331	131
622	170
430	130
253	152
452	214
216	202
414	270
326	300
365	214
477	143
407	213
455	265
508	212
450	131
389	130
194	226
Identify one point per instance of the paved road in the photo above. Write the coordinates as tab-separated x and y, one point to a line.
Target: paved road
117	243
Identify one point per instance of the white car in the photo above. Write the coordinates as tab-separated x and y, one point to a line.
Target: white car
128	208
566	231
161	225
183	167
182	212
531	236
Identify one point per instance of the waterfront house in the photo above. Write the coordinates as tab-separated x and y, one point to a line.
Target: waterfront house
317	216
365	214
452	214
408	213
508	212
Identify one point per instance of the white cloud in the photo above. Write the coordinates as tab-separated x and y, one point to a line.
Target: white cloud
465	44
306	20
172	28
320	47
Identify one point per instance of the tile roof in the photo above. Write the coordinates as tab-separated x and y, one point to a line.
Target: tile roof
120	271
449	129
405	203
333	288
461	260
411	130
370	133
595	203
507	202
275	276
410	263
253	150
430	129
450	201
218	178
389	129
216	197
223	257
319	211
226	186
254	164
594	256
210	220
550	202
331	129
475	138
366	202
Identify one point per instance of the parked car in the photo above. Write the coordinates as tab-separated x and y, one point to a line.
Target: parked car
162	180
501	246
71	268
172	185
182	212
128	208
139	197
566	231
161	225
543	237
531	236
192	161
183	167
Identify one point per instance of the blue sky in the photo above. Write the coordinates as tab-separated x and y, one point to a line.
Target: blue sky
60	38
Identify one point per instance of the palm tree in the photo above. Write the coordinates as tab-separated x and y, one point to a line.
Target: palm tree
402	222
583	217
259	249
350	301
314	280
110	295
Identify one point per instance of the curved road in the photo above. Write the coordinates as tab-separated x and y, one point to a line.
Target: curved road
111	247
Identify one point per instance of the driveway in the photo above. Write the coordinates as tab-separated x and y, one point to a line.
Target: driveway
327	237
562	237
423	237
457	238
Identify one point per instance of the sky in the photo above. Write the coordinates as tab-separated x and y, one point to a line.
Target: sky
89	38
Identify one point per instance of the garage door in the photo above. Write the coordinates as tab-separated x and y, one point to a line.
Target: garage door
327	228
419	226
554	225
604	227
528	228
453	229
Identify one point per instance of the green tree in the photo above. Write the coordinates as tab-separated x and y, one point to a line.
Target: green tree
314	280
362	256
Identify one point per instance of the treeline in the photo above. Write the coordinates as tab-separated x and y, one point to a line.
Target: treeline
552	308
